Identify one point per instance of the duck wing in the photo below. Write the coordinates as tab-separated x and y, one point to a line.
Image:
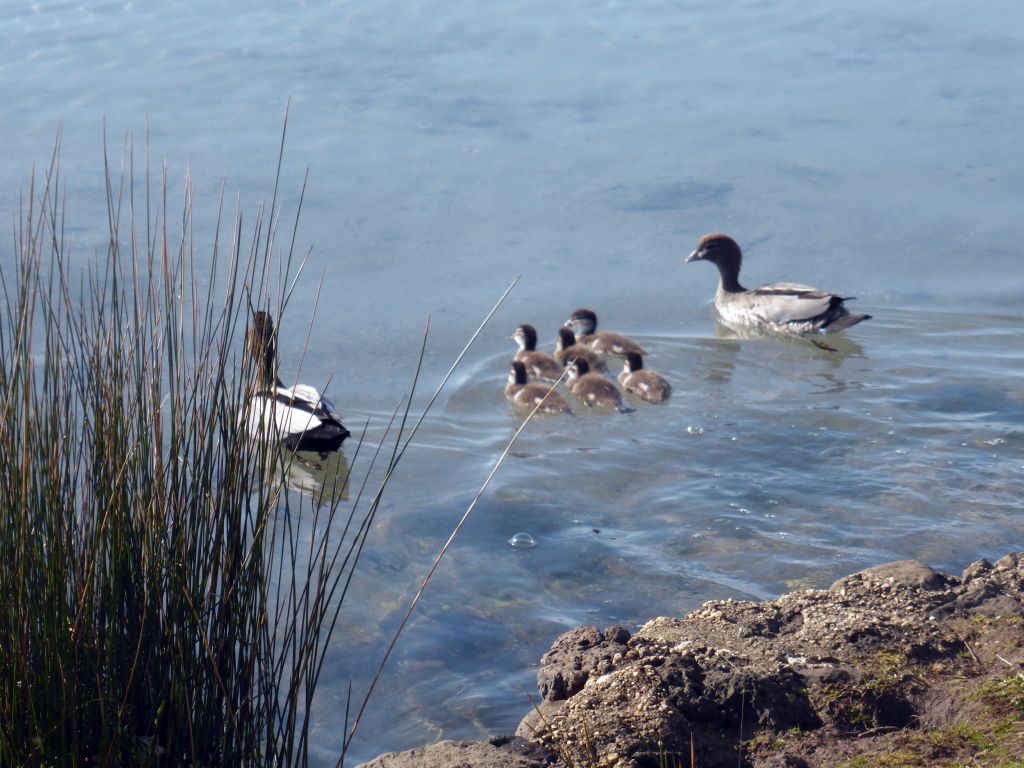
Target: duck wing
780	303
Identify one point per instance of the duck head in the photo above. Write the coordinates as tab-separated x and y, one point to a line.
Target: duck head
517	375
583	322
566	338
579	367
633	362
720	250
526	337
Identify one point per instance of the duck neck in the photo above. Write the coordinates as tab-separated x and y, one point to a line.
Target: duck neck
266	375
730	279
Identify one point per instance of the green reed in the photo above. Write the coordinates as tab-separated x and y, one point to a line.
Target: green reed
159	606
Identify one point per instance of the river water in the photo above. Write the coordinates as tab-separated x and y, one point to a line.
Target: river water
872	149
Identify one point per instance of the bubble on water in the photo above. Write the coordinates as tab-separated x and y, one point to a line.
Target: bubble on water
995	441
901	452
891	432
700	535
733	505
783	534
773	502
734	439
770	515
522	541
693	429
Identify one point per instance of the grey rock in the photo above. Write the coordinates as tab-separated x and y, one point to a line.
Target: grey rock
975	569
575	656
535	724
497	753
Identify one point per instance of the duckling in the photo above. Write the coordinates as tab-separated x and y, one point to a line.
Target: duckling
526	395
776	307
584	324
540	365
592	389
300	417
648	385
567	350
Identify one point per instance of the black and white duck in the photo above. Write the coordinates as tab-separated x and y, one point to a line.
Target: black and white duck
299	417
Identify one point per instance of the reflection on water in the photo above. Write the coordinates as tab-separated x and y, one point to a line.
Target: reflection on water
324	478
838	343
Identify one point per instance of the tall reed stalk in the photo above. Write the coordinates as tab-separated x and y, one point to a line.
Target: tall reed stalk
158	605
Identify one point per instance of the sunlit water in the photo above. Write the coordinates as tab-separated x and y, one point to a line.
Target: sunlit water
872	149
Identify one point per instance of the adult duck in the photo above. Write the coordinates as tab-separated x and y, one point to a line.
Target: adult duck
299	417
776	307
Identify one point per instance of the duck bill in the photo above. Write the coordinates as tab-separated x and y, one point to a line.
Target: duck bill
694	256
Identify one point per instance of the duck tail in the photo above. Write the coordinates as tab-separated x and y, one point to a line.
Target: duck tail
845	322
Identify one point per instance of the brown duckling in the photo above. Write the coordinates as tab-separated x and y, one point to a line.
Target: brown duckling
539	365
523	394
647	385
584	324
592	389
567	350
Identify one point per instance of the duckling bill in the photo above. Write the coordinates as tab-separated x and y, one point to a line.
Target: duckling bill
299	417
776	307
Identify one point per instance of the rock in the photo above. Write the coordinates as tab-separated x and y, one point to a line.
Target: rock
534	725
575	656
815	679
906	573
831	664
976	569
497	753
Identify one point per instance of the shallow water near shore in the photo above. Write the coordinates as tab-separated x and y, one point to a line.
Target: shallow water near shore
874	151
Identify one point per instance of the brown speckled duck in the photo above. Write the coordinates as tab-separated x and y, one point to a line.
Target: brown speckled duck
524	394
647	385
539	365
584	324
592	389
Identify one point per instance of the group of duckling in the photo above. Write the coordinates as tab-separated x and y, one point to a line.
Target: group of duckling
580	353
776	308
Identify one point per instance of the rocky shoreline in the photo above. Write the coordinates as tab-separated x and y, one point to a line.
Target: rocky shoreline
898	665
